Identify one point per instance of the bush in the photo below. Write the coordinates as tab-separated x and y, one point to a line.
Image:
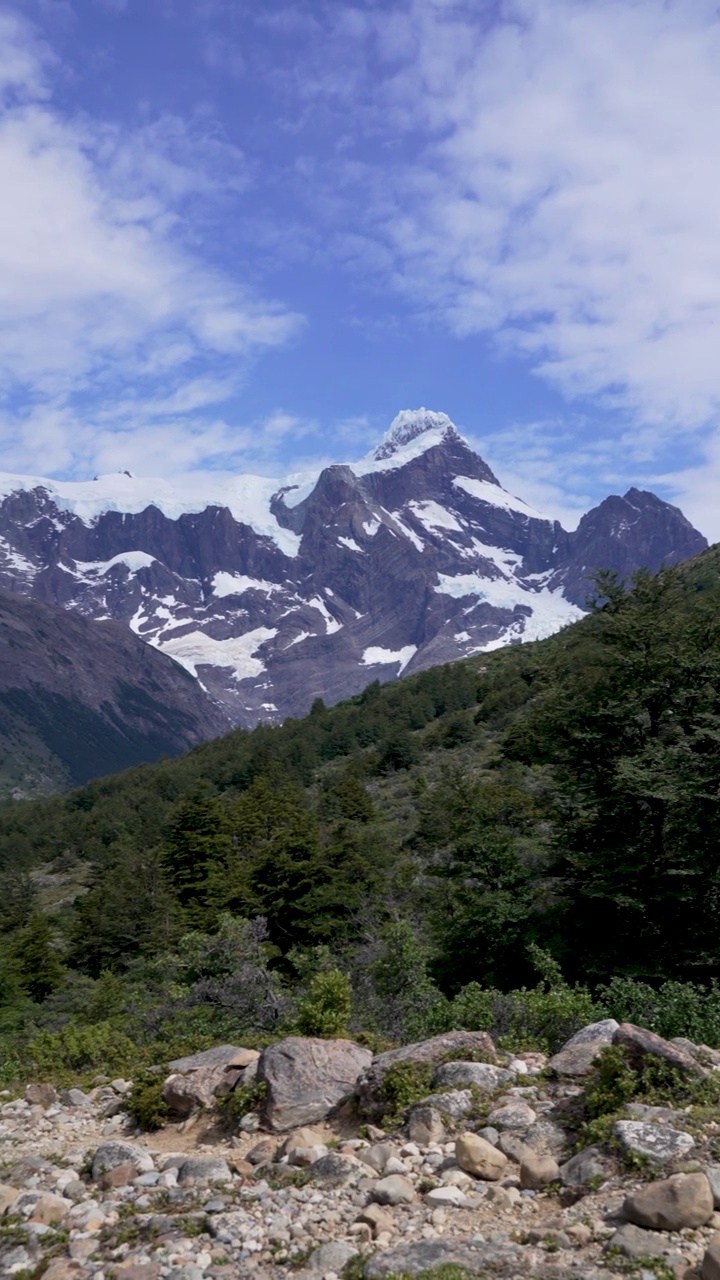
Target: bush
74	1050
145	1103
534	1018
326	1009
673	1009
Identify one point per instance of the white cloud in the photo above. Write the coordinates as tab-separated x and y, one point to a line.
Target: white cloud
99	290
551	177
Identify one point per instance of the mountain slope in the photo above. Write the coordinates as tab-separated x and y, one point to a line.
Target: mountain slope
80	699
276	594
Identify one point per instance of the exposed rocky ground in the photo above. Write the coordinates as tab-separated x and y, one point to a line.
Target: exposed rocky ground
487	1171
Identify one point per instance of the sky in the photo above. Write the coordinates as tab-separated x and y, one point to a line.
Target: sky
241	236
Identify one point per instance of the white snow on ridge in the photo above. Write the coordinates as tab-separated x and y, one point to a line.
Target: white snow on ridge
550	609
496	496
133	560
196	650
331	624
371	526
433	516
351	544
233	584
376	656
246	497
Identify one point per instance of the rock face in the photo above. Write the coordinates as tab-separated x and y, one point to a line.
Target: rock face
641	1043
307	1078
80	699
274	593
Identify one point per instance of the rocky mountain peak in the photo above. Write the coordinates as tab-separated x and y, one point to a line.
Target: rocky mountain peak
408	425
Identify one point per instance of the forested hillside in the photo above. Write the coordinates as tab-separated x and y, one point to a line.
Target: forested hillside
454	835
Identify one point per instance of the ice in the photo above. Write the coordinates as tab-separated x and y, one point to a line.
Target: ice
239	652
371	526
376	656
233	584
495	495
133	560
433	516
298	639
406	531
550	609
331	624
351	544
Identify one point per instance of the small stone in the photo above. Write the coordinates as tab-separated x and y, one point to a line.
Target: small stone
393	1190
299	1138
710	1268
513	1115
65	1269
634	1242
8	1196
424	1126
538	1171
120	1176
74	1098
377	1156
580	1233
331	1257
42	1095
376	1219
204	1169
587	1166
262	1152
51	1209
478	1157
684	1200
712	1173
440	1196
334	1170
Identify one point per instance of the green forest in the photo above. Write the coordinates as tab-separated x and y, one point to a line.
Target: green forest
520	841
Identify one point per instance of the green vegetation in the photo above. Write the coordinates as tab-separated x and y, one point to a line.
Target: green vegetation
520	842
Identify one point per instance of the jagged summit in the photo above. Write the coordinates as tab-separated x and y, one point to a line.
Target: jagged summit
408	425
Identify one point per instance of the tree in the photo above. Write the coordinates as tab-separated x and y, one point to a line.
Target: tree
39	969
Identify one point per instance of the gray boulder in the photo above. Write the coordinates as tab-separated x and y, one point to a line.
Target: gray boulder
455	1104
112	1154
636	1242
306	1078
481	1075
655	1141
641	1043
578	1054
204	1169
472	1253
220	1056
586	1167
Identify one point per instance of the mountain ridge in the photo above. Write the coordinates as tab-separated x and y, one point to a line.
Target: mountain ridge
275	593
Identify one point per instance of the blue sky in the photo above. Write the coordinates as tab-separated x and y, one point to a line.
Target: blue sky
242	236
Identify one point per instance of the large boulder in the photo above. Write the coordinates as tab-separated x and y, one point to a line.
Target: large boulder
479	1075
684	1200
579	1053
425	1053
657	1142
306	1078
198	1079
480	1158
111	1154
640	1043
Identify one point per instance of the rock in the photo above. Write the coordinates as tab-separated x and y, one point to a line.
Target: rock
452	1196
303	1157
111	1154
454	1105
334	1170
587	1166
204	1169
300	1138
641	1043
243	1059
119	1176
537	1171
186	1092
635	1242
75	1098
393	1190
306	1078
263	1152
547	1138
376	1218
424	1125
65	1269
8	1196
685	1200
42	1095
377	1156
710	1267
511	1146
512	1115
331	1257
481	1075
479	1157
222	1055
712	1173
577	1061
368	1090
470	1252
656	1141
51	1209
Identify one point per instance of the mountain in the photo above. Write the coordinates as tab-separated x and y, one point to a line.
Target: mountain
79	699
274	594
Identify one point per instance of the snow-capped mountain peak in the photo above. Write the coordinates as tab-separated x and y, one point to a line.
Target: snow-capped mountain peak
407	427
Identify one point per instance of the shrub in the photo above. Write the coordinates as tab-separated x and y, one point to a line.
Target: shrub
326	1009
403	1084
529	1017
75	1049
672	1009
145	1101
